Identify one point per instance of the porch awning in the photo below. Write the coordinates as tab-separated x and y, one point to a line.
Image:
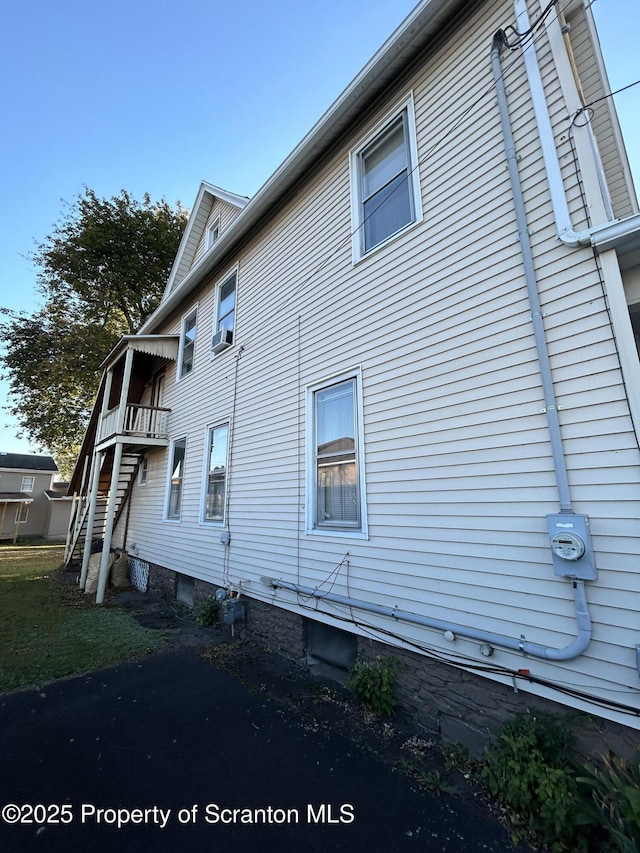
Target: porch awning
163	346
15	498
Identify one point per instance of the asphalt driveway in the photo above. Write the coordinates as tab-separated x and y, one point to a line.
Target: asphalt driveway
172	754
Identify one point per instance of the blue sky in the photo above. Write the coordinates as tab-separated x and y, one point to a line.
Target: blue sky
155	97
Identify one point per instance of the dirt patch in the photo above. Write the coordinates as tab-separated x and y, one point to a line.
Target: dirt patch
321	704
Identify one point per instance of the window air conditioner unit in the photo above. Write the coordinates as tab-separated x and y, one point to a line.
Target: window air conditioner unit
222	340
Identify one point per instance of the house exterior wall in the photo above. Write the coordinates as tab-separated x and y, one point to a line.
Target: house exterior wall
221	210
36	523
58	514
459	472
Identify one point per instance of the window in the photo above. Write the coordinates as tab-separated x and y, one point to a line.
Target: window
176	478
216	473
27	484
213	232
336	487
385	185
187	344
22	513
144	471
225	312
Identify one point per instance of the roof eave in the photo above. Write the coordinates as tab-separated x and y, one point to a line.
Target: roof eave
409	39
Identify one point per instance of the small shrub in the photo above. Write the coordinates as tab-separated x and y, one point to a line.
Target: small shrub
615	801
529	770
373	683
208	612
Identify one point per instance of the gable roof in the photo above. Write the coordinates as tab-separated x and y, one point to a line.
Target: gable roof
27	462
207	194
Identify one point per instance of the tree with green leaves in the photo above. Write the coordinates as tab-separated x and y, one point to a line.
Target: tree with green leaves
101	273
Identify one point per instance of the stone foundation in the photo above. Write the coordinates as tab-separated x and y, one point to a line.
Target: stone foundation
456	705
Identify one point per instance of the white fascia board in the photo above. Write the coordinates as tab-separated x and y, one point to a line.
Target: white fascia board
421	26
224	195
212	191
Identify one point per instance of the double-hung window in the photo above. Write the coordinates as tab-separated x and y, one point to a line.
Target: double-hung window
225	313
385	185
187	344
27	484
216	473
336	459
176	478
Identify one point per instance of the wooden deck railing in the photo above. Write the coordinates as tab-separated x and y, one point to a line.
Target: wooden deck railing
139	421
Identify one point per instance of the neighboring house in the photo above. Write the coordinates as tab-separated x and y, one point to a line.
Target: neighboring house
32	505
392	400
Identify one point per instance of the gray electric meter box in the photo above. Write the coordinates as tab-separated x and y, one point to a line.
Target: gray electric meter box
571	547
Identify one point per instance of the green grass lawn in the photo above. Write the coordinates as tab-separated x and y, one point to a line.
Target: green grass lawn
49	629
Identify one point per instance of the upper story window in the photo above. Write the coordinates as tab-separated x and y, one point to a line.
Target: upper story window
216	473
385	187
187	344
176	478
27	484
336	459
225	313
213	232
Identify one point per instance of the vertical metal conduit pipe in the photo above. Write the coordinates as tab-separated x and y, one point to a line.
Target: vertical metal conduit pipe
550	403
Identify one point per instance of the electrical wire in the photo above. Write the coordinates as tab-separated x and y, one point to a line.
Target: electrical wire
468	664
521	40
440	139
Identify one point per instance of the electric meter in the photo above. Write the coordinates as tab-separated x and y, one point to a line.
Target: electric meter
568	546
571	548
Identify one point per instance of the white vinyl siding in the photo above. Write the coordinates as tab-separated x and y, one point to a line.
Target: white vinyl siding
459	473
221	214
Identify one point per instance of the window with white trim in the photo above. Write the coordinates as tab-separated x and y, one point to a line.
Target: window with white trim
336	457
216	473
27	484
176	478
22	513
385	186
144	471
187	344
213	232
225	312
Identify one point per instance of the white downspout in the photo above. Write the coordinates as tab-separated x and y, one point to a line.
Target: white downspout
604	237
562	216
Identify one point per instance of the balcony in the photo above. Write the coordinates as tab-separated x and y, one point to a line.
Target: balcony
145	426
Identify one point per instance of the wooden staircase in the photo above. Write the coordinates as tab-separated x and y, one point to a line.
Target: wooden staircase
78	527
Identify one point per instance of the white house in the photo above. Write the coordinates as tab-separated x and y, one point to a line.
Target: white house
391	401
